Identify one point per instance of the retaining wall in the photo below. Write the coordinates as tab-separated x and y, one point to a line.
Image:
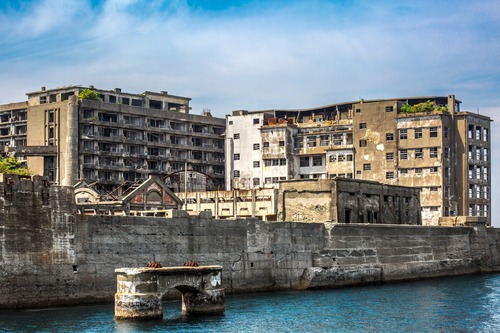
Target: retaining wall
50	256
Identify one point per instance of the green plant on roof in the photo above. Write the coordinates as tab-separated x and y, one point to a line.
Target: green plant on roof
89	94
13	166
427	106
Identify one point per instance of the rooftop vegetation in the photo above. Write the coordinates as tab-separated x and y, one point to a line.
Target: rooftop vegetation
427	107
89	94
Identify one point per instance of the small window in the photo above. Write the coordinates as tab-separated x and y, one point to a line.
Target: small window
317	160
418	170
433	152
304	161
256	121
236	157
433	132
362	125
403	134
389	108
358	110
419	153
389	156
236	136
230	122
418	133
236	173
256	164
446	152
362	143
404	171
367	166
333	158
389	136
445	132
403	154
256	181
389	175
282	143
266	144
256	146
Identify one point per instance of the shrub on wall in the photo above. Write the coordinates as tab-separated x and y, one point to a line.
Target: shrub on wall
13	166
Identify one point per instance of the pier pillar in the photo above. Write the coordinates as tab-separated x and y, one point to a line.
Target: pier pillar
209	302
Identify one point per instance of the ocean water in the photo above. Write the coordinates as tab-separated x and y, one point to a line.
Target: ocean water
459	304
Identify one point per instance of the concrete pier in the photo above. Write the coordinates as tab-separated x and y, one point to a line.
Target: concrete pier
139	291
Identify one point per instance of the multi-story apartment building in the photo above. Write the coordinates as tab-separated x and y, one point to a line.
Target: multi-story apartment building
118	138
424	142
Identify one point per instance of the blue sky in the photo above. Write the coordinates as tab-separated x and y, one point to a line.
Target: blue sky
229	55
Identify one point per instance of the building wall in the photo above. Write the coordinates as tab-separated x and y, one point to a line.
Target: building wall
347	201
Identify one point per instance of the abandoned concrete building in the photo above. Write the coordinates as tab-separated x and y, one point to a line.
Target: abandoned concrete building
115	140
423	142
337	200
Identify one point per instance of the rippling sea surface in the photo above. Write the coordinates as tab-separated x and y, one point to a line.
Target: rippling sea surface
460	304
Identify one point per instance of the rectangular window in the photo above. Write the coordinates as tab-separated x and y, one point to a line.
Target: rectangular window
256	121
236	157
317	160
256	146
266	144
446	191
445	132
282	143
418	133
358	110
403	154
230	122
389	109
349	157
446	152
256	181
389	136
236	136
389	175
236	173
282	161
367	166
304	161
333	158
419	153
256	164
362	143
403	134
446	172
478	133
418	170
433	132
433	169
389	156
486	135
362	125
485	154
341	158
404	171
433	152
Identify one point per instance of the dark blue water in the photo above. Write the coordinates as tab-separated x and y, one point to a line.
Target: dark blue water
462	304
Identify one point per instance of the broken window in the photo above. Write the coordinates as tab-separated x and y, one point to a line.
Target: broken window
317	160
418	133
282	143
362	143
304	161
154	104
389	136
419	153
403	154
433	152
136	102
362	125
256	181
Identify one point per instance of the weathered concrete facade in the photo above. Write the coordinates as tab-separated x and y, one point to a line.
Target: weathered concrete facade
342	200
51	256
424	142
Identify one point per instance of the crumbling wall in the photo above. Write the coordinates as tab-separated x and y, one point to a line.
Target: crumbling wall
49	256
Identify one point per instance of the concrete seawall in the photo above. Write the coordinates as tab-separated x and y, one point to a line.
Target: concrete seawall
49	256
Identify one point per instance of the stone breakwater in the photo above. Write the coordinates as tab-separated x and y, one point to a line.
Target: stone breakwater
50	256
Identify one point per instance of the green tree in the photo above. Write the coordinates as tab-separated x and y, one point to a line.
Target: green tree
89	94
13	166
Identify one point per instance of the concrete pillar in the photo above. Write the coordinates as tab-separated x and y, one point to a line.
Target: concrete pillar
69	174
137	296
208	302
